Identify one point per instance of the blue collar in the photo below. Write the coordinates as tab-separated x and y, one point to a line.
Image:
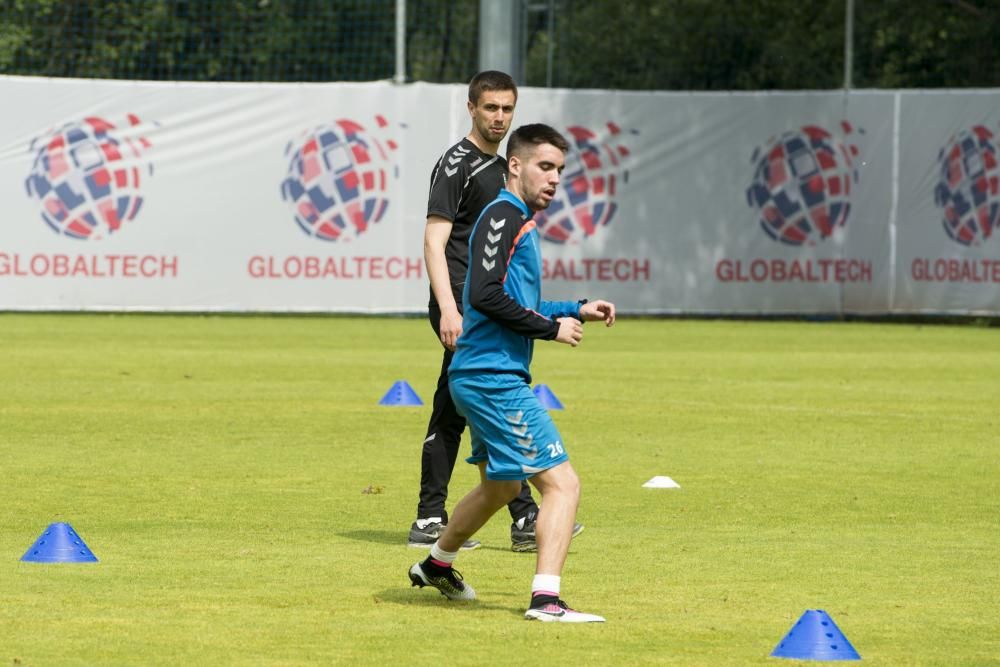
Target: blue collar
508	196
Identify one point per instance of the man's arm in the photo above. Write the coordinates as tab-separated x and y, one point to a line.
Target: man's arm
436	235
490	250
583	310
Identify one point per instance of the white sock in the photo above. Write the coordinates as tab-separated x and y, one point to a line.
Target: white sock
547	584
439	554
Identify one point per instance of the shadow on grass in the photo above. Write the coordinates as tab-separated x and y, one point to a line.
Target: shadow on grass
390	537
430	599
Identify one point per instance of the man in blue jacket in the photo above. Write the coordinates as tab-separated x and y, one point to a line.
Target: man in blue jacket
513	437
466	179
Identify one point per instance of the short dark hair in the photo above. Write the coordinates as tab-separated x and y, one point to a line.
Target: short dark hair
526	137
488	81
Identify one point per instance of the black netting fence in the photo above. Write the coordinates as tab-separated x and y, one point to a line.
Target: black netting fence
252	40
630	44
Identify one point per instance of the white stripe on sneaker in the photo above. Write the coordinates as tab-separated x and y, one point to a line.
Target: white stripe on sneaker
554	613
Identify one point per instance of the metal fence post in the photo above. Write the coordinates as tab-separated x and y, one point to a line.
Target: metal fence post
848	44
400	76
500	37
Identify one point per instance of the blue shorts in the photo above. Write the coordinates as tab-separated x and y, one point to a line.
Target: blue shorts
511	430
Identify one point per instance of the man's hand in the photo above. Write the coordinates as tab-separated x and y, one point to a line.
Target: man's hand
450	327
593	311
570	331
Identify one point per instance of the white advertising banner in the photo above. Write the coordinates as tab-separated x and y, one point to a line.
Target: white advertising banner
948	253
311	197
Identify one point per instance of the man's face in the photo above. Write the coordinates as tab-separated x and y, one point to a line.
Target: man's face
492	115
538	173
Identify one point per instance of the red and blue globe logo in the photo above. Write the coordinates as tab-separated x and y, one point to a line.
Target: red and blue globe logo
801	188
585	199
87	176
338	179
968	189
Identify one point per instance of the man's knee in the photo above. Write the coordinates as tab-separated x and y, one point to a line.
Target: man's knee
561	480
572	485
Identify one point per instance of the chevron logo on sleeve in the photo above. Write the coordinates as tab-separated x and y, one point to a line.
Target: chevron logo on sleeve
492	238
455	158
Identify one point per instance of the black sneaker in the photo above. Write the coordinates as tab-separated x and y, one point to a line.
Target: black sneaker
450	584
522	534
429	534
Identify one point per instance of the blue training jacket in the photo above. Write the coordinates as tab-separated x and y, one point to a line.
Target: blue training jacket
502	299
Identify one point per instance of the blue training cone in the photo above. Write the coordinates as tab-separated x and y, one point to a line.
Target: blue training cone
59	544
815	637
401	393
547	398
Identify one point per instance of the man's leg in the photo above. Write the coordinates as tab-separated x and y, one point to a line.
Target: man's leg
523	504
471	513
438	455
437	463
440	449
560	489
475	509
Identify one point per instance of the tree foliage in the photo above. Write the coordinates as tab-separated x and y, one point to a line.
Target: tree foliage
928	43
769	44
199	40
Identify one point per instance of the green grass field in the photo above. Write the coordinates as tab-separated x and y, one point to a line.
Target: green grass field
217	467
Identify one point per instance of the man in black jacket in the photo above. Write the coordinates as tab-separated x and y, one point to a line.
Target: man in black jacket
465	179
